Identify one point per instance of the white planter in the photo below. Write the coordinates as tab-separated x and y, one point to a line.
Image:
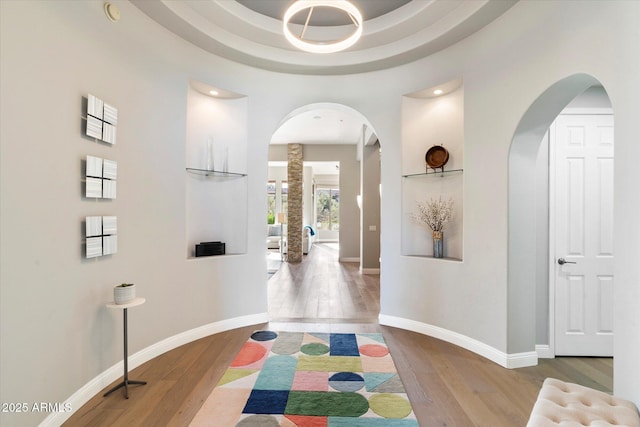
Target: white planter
124	294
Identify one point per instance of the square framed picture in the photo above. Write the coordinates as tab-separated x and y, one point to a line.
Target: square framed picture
93	226
94	247
94	127
109	225
95	106
109	245
110	169
94	167
110	114
108	189
93	187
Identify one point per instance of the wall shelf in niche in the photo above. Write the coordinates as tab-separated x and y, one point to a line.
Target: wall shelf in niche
431	257
433	172
420	187
214	173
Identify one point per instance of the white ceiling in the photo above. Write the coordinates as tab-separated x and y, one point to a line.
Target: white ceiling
323	16
322	125
394	32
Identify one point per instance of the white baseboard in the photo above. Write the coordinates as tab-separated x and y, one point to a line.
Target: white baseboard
97	384
544	351
370	271
514	360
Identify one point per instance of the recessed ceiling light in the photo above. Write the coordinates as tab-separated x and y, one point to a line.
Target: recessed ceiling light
214	92
437	92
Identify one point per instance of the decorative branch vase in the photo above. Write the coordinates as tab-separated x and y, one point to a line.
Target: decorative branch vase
438	251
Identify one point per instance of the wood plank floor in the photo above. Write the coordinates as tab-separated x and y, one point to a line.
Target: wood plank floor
447	385
323	289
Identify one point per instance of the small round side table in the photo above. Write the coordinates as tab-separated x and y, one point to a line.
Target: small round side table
125	381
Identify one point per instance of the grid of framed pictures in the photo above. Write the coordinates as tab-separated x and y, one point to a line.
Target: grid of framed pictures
102	120
102	235
101	232
101	178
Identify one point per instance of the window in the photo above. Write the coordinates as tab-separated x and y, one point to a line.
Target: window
327	208
271	202
284	193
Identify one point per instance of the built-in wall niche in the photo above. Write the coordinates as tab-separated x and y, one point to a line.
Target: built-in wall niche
417	240
216	167
101	235
432	117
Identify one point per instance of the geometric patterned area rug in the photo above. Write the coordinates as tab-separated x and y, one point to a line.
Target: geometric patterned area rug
308	379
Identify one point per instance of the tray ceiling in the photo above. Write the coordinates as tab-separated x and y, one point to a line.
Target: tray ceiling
395	31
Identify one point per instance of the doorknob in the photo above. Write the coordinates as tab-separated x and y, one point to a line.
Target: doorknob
562	261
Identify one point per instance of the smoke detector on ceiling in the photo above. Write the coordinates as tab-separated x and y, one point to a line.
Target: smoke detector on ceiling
112	12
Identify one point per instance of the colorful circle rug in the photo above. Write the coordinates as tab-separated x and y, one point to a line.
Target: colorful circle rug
303	379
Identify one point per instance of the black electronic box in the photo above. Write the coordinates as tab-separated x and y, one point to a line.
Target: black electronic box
210	248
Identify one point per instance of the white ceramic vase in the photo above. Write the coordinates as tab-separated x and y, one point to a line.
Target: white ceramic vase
124	294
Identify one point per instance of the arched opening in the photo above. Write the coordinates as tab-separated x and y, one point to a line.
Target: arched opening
327	156
525	258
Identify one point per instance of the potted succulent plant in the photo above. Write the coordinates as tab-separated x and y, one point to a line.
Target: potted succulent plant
124	293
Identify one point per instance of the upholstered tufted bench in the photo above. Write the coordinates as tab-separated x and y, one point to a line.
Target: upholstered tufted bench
572	405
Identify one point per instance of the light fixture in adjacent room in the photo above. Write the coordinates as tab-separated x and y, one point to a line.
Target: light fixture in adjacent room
320	46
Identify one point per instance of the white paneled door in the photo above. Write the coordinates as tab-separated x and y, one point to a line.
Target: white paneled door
583	262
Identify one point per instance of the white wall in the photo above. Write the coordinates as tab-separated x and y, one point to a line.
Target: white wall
370	212
57	334
54	53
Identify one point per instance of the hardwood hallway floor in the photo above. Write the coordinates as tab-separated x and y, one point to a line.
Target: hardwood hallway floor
447	385
322	289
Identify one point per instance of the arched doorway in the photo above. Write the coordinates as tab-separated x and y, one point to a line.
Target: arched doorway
524	318
324	130
312	137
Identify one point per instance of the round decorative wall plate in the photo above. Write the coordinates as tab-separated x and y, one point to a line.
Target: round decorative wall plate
437	156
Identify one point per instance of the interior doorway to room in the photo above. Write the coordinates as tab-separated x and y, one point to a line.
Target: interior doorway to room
534	257
581	242
327	283
327	212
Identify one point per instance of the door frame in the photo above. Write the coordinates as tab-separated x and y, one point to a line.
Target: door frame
552	217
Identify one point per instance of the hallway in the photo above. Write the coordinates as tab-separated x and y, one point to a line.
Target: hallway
321	289
446	384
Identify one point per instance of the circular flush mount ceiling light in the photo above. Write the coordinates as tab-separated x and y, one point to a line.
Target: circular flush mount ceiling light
318	46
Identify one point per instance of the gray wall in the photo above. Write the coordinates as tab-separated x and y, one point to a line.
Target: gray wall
370	190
